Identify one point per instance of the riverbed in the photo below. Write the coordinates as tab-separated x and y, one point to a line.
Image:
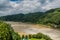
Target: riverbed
26	28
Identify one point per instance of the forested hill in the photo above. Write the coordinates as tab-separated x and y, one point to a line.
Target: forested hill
53	16
50	17
30	17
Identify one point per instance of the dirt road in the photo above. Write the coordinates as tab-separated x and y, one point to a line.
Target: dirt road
26	28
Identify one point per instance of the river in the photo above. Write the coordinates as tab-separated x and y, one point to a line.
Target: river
26	28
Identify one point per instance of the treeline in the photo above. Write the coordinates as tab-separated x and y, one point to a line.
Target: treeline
51	17
30	17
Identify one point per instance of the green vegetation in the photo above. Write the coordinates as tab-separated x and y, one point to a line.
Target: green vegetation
51	17
31	17
41	36
38	36
36	39
7	33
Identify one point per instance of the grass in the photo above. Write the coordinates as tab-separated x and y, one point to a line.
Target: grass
36	39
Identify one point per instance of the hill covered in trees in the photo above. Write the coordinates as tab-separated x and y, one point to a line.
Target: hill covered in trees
30	17
51	17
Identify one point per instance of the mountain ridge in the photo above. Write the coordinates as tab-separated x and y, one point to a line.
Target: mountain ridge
49	17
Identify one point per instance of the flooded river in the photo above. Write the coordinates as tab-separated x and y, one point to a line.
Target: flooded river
31	29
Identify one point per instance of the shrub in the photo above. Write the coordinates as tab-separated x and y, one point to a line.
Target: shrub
41	36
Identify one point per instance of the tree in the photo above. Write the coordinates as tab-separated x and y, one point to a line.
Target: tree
7	33
30	36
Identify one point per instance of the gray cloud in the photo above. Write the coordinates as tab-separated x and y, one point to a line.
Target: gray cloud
8	7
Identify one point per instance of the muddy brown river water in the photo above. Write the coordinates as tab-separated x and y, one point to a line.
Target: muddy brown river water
26	28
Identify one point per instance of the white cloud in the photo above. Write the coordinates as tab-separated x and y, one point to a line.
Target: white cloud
8	7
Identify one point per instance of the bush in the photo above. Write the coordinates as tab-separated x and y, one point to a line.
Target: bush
41	36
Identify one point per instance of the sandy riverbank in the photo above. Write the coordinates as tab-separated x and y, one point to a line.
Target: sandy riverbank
24	28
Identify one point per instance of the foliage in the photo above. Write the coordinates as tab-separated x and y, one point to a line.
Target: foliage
7	33
40	36
51	17
31	17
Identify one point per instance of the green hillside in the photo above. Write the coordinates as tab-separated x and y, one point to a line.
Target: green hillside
30	17
51	17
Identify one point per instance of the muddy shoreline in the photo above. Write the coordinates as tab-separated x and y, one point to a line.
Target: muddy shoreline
25	28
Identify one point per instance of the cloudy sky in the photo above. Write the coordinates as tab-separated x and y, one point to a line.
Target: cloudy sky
8	7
